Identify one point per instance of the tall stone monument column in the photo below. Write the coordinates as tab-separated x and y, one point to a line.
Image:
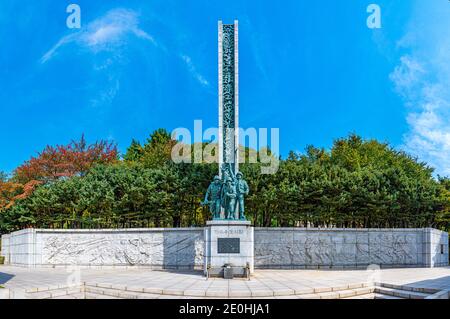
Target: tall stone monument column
228	96
229	236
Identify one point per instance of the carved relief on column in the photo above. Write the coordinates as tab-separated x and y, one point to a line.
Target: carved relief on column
228	94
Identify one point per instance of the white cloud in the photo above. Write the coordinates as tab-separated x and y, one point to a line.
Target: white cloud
50	53
407	75
422	78
200	78
104	33
108	33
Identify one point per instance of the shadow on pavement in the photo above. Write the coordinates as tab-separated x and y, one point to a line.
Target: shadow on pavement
183	271
437	283
4	277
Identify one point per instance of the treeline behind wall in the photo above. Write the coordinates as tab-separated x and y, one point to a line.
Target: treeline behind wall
357	183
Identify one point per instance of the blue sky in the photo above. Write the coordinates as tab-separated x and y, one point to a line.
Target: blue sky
312	69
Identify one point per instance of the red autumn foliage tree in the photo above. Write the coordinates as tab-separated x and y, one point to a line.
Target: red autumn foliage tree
55	162
8	190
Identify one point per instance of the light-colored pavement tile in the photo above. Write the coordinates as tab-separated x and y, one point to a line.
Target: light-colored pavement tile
284	281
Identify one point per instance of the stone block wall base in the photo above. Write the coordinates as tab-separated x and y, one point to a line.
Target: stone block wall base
237	234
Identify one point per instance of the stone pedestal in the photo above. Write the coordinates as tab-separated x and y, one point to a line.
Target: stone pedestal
228	242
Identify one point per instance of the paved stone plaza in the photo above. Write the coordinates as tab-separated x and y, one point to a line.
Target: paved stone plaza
145	283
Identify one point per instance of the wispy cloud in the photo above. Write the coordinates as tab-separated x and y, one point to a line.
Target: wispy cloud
107	94
422	78
104	33
407	76
200	78
50	53
108	33
256	41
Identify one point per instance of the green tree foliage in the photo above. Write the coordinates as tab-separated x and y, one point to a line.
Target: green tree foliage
134	152
153	154
443	214
357	183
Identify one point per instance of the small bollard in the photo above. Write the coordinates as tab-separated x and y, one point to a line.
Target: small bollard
208	271
247	271
227	271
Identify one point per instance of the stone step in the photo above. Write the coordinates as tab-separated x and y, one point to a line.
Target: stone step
344	293
94	291
80	295
122	292
381	296
373	296
54	293
357	292
347	293
365	296
410	288
119	293
138	293
89	295
405	294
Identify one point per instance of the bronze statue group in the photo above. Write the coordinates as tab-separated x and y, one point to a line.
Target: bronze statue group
227	193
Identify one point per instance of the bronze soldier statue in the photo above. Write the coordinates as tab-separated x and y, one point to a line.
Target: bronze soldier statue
229	199
227	193
242	190
214	195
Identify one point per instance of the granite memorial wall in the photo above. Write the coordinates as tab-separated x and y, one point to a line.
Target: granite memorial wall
184	248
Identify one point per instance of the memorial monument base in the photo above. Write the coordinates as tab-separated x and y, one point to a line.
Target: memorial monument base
228	242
